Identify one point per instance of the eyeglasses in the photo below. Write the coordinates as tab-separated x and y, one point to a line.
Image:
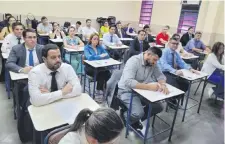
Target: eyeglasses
94	38
30	37
175	43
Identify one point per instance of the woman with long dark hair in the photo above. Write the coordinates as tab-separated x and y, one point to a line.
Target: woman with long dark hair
8	29
94	127
215	60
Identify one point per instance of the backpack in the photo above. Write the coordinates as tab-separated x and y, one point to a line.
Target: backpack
24	123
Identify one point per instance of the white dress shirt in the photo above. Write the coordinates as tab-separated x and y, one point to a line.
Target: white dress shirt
107	38
211	63
35	58
41	76
88	31
10	41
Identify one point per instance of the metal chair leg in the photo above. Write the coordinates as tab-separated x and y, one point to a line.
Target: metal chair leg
197	87
153	121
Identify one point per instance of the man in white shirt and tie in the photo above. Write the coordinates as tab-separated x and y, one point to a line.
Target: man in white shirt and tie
52	80
14	38
88	30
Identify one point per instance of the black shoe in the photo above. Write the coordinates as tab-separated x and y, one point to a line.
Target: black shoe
137	126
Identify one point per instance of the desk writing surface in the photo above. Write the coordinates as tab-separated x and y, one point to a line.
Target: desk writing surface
1	41
60	112
43	34
18	76
118	47
154	96
190	57
80	49
192	76
5	55
126	39
56	40
102	63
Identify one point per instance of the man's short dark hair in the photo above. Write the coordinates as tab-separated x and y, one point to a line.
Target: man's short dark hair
112	26
119	22
156	51
173	38
47	48
190	28
141	31
17	24
8	14
88	20
168	27
198	32
43	18
78	22
146	26
174	35
28	30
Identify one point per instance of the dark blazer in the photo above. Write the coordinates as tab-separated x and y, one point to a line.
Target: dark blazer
17	57
122	31
135	47
149	38
185	39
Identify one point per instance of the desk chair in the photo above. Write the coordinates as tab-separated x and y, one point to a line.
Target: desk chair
56	135
217	79
126	56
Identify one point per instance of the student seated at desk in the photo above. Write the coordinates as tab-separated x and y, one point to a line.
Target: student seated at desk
141	72
104	29
180	50
102	126
195	45
8	29
163	37
119	30
52	80
14	38
73	42
25	56
215	60
148	36
44	27
171	62
5	21
88	30
129	30
187	36
138	45
110	39
57	33
94	51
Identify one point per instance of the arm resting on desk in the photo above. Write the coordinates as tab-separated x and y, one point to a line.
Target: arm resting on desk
5	45
11	62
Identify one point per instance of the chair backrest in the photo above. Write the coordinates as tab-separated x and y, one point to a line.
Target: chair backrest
217	77
126	56
56	135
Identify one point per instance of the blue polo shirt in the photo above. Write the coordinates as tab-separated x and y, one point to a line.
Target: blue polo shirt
193	43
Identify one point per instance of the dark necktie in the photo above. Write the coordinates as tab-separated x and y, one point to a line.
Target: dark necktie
174	61
31	59
111	39
190	37
141	46
54	86
19	40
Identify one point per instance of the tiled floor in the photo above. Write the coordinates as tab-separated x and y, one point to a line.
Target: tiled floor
206	128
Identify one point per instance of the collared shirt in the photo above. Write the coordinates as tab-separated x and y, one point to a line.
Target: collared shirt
88	31
46	29
72	41
193	43
10	41
90	54
104	30
79	30
35	58
107	39
163	36
41	76
136	71
166	61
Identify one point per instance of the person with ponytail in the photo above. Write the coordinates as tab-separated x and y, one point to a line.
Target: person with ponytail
102	126
8	29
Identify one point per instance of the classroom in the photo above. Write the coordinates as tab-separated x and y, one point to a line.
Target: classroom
112	72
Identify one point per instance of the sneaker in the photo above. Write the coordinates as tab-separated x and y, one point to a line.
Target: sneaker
210	92
137	126
99	98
